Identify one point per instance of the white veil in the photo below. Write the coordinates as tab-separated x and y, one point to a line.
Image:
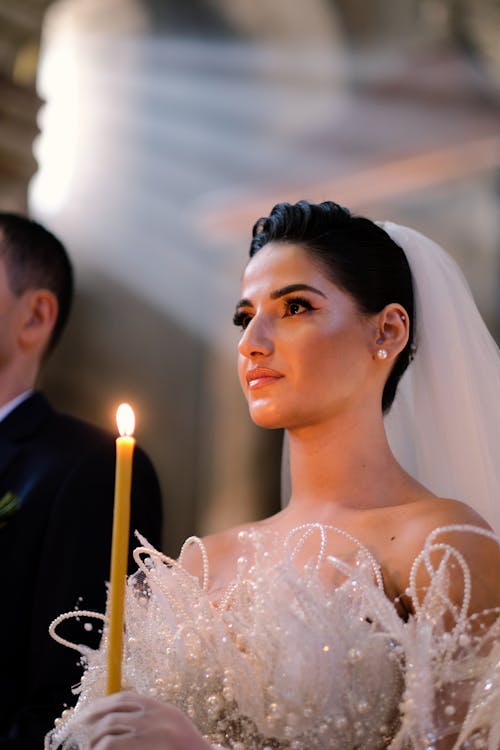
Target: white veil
444	425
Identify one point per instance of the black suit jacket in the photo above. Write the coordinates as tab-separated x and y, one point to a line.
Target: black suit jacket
56	508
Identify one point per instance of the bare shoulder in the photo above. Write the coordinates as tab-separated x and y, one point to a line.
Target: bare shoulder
450	522
451	517
432	512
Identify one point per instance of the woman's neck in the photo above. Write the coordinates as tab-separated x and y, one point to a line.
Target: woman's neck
346	462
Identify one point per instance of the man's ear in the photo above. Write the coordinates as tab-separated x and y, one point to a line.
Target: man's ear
392	328
40	311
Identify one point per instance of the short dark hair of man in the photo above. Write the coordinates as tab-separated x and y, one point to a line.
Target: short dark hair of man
35	259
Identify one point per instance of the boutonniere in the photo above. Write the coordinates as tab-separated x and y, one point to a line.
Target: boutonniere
9	505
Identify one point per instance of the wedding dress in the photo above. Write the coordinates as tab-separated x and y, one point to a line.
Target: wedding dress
305	651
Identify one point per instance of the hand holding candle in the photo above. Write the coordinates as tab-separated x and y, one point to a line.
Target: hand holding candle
119	551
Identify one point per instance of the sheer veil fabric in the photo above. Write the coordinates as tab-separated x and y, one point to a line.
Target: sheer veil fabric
444	425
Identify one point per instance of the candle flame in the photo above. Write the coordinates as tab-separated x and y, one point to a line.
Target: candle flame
125	419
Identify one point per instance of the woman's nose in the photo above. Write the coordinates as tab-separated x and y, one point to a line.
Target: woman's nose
256	339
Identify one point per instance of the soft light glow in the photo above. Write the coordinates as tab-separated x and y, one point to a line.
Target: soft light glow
125	419
57	147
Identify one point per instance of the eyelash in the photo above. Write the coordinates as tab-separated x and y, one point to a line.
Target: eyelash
242	318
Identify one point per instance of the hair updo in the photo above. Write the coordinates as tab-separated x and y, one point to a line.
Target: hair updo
357	255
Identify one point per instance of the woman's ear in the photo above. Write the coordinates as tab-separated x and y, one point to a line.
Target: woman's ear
392	329
39	318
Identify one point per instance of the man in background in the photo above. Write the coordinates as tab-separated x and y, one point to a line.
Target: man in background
56	495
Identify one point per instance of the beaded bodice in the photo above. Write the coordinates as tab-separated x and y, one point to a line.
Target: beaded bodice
304	650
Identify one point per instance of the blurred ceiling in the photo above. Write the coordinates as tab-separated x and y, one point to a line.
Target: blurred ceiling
20	24
472	25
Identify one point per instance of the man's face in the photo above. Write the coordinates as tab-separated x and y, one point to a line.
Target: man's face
12	310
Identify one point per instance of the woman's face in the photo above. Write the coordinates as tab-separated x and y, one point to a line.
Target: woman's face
305	353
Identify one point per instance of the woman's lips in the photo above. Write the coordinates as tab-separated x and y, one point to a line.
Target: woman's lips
262	376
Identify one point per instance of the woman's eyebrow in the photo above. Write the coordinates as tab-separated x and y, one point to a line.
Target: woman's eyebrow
295	288
243	303
288	289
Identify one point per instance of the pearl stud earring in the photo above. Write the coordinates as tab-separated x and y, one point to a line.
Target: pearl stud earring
381	353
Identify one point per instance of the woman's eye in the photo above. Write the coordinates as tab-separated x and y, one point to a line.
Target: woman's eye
297	306
241	319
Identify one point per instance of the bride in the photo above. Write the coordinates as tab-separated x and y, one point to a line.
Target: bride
366	613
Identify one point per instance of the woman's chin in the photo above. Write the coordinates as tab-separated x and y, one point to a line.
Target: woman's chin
268	420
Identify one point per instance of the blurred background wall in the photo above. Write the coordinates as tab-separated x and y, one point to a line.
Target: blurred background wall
150	136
